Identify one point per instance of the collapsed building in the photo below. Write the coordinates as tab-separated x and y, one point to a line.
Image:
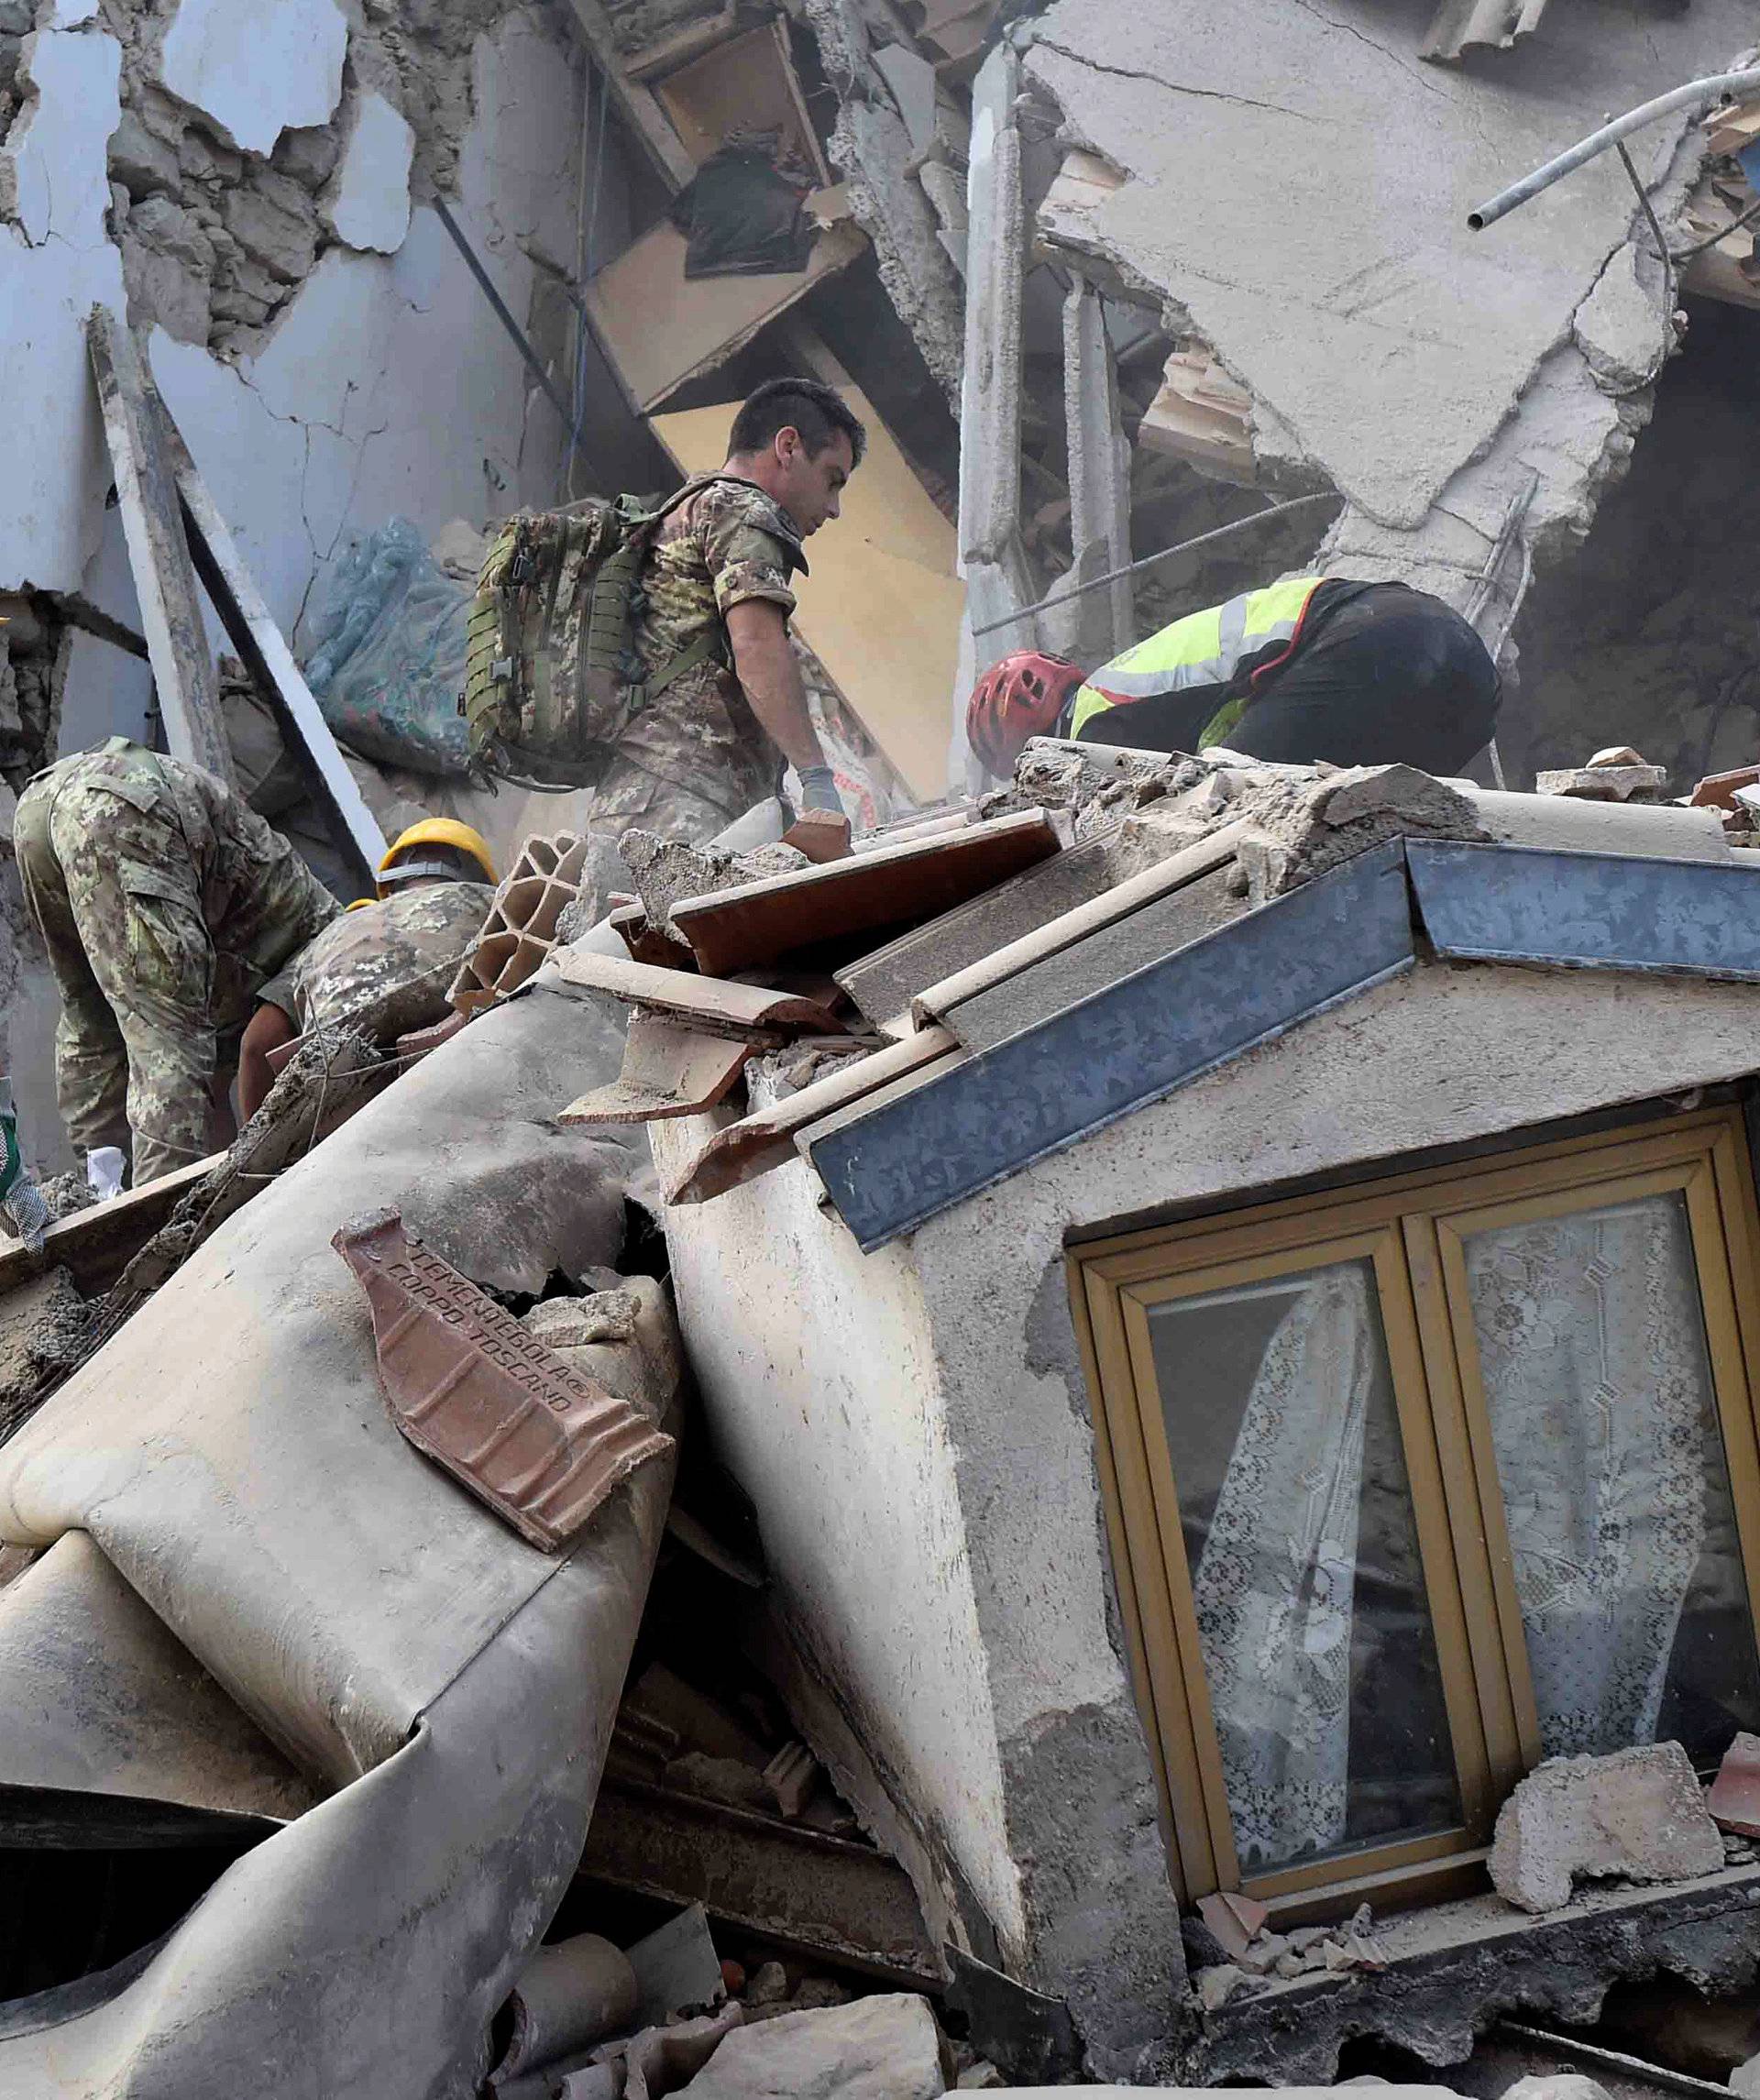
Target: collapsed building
1220	1298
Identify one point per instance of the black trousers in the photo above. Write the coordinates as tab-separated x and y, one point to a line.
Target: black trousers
1388	674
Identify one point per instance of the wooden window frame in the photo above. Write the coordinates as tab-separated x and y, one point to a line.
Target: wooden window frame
1413	1227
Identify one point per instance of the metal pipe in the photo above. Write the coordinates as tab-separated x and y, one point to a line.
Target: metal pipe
504	315
1702	92
1148	561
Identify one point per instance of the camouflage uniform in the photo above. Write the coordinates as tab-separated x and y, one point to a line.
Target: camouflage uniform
386	967
696	757
163	902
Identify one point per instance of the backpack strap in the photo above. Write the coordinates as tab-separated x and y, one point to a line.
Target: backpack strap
708	644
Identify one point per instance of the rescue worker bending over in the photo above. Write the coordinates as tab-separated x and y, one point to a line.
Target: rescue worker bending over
163	902
386	965
1311	667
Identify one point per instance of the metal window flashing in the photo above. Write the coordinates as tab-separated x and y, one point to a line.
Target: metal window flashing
898	1162
1568	910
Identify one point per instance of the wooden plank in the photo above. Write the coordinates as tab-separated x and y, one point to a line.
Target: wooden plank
170	613
660	329
668	1071
749	80
764	1140
251	628
748	1013
881	609
736	928
635	103
1178	869
95	1246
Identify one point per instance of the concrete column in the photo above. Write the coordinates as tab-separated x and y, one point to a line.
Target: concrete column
1097	626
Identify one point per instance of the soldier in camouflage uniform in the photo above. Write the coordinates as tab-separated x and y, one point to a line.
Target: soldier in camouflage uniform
384	967
716	740
164	902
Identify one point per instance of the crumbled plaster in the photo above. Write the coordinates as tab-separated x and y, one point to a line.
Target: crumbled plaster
871	147
52	517
1427	372
256	69
52	185
368	205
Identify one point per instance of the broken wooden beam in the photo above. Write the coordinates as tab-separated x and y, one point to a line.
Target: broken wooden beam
254	634
171	613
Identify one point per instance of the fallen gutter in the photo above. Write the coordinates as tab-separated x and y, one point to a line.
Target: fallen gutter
1696	94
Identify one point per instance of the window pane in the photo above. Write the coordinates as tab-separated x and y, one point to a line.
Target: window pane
1316	1636
1591	1346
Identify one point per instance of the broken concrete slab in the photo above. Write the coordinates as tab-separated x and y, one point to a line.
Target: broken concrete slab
885	2048
1635	1815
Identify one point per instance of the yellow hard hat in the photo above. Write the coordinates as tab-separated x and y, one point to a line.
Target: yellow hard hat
443	831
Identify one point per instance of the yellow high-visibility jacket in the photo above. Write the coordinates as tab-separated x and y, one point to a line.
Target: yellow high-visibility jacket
1224	649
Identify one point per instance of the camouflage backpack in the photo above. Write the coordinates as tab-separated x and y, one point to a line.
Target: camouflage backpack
551	675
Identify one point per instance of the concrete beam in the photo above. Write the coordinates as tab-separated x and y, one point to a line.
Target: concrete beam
1099	624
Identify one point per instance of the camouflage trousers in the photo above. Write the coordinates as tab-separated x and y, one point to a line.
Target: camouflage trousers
629	797
147	1018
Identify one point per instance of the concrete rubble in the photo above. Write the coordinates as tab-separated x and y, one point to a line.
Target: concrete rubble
686	1526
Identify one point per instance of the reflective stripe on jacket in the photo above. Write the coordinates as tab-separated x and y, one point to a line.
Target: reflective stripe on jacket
1215	648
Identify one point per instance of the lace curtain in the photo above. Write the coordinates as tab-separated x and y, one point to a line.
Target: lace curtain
1591	1348
1275	1584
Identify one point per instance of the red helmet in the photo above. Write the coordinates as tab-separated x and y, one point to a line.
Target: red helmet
1020	695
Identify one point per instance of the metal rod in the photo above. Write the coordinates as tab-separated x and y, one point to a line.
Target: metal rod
1148	561
1636	2067
505	317
1735	226
1701	92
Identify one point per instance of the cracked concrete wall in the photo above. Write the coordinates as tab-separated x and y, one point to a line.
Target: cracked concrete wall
320	341
1299	184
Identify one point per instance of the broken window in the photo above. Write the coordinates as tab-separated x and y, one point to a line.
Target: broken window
1414	1485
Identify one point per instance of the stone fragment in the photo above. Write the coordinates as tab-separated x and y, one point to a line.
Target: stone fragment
980	2077
1253	1915
139	160
1390	791
1262	1957
1556	2085
882	2048
1594	783
1217	1985
1745	2079
168	266
725	1780
275	226
309	156
768	1986
204	159
1734	1797
1636	1815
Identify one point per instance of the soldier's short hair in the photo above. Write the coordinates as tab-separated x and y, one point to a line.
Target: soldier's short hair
818	411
